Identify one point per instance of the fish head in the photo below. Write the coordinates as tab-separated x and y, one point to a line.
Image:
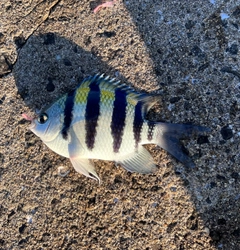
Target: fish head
47	124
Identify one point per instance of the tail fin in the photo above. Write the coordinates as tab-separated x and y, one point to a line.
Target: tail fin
169	135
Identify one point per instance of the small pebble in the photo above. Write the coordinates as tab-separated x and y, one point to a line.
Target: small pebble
224	16
29	219
63	171
206	230
154	204
173	189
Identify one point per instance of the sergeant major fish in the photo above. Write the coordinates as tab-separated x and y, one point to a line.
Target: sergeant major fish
104	119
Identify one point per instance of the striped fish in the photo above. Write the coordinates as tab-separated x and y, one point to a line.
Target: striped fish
103	119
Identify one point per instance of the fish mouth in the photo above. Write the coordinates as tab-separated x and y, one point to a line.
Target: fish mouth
31	119
27	117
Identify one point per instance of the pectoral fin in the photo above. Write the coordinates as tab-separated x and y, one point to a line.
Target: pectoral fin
81	165
84	166
140	162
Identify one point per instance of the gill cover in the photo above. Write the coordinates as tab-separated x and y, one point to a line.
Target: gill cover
47	125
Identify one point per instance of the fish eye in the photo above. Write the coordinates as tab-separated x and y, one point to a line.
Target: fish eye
42	118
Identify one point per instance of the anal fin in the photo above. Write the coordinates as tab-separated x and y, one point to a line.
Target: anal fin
140	162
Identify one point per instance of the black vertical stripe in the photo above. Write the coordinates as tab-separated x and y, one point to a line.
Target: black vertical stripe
137	123
92	113
151	126
118	118
68	116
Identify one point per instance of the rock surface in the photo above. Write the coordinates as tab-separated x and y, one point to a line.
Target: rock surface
188	53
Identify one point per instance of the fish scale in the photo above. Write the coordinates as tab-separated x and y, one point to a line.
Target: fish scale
104	119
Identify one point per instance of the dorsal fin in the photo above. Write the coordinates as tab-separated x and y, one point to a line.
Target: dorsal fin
111	84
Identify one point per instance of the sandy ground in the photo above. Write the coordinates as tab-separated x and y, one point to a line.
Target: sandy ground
185	51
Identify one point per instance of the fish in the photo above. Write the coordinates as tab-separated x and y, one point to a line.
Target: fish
104	119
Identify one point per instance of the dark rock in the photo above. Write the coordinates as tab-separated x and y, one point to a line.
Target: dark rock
208	200
174	99
107	34
2	242
171	226
236	12
158	71
8	7
165	62
87	40
221	221
75	49
155	188
19	41
230	70
202	139
234	25
233	49
50	86
67	62
203	66
1	158
220	177
94	51
236	232
22	241
216	235
186	182
5	65
11	214
2	100
159	51
222	142
64	19
177	172
234	108
118	179
22	228
187	105
190	24
213	184
235	175
92	200
49	38
196	50
169	80
226	132
228	150
1	38
192	222
54	201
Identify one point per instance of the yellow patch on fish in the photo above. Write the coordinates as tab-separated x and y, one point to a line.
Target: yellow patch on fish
81	95
106	96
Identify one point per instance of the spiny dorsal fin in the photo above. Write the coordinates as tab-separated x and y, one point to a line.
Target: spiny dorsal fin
111	84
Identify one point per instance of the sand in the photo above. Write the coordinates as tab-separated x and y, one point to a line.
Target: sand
185	51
